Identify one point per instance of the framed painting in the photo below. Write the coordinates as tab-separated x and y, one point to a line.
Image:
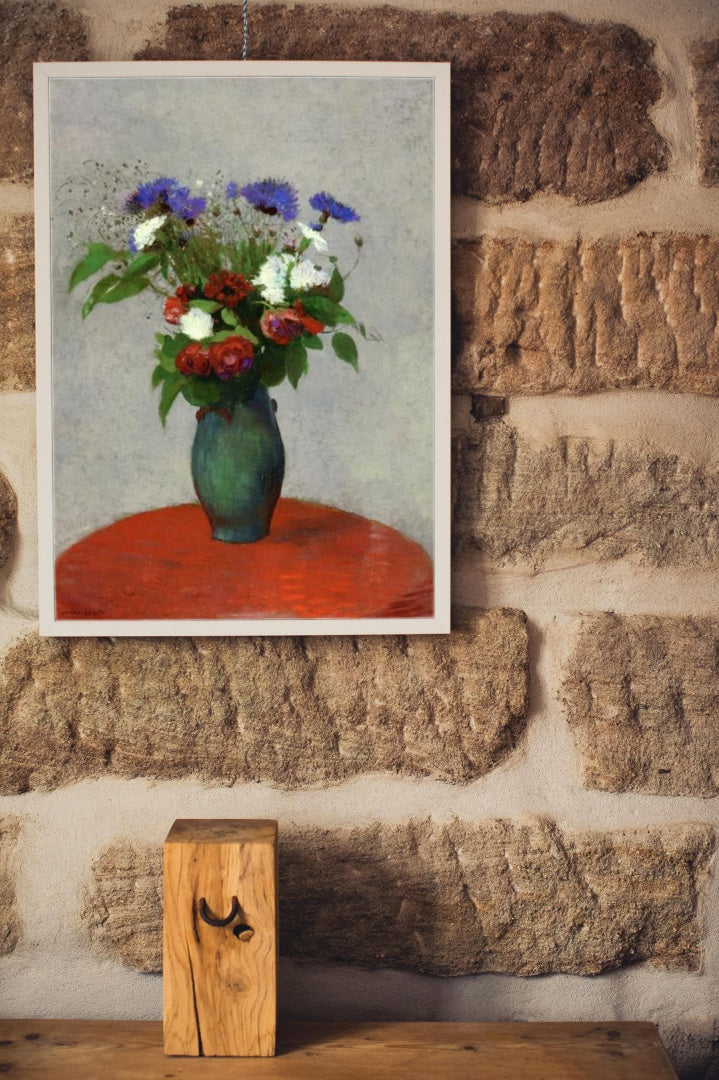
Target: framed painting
243	339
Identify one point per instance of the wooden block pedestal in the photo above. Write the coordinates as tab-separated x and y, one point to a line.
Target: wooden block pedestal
220	938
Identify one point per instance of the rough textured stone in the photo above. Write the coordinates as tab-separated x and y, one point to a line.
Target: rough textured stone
533	317
29	33
705	60
9	920
8	519
642	696
123	905
514	500
17	303
291	711
520	897
539	102
694	1049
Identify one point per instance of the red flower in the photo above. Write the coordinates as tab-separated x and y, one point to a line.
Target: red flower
193	360
185	292
227	288
233	356
173	309
281	326
310	325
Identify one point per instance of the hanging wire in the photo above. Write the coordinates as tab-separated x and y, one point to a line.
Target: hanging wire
244	29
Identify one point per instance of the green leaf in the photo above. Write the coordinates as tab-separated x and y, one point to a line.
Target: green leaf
97	256
210	306
336	287
158	376
166	363
222	335
228	317
172	343
125	288
345	349
201	391
98	290
171	387
146	260
295	362
247	334
312	341
272	365
326	310
237	331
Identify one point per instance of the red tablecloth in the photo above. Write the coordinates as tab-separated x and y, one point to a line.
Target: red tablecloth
317	562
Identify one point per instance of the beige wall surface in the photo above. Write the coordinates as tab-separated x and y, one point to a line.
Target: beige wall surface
513	822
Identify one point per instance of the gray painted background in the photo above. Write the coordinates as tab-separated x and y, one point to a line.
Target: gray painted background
361	442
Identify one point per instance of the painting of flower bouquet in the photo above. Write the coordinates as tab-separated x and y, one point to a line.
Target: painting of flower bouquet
249	299
251	290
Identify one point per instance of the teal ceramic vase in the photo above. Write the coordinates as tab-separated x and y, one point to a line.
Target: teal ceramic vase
238	464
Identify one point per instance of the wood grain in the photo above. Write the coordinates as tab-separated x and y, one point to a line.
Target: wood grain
86	1050
220	987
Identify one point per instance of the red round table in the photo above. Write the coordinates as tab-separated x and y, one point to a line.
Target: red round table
316	563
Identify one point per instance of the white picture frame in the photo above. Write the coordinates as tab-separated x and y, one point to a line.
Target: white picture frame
375	447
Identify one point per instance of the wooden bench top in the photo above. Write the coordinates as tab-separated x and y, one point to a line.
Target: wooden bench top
124	1050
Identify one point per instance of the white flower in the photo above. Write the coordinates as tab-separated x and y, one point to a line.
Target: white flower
305	275
144	233
197	324
279	271
272	278
318	240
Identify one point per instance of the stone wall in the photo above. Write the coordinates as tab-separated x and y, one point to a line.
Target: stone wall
533	795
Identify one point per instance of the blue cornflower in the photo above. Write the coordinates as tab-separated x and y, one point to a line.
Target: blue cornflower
273	197
184	205
232	190
148	194
328	205
165	193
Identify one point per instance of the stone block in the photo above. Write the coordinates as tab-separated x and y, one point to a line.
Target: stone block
30	33
693	1048
535	317
522	897
123	905
290	711
9	918
520	501
540	103
705	63
8	520
642	698
17	303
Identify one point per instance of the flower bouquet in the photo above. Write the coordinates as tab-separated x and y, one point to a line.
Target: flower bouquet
248	291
